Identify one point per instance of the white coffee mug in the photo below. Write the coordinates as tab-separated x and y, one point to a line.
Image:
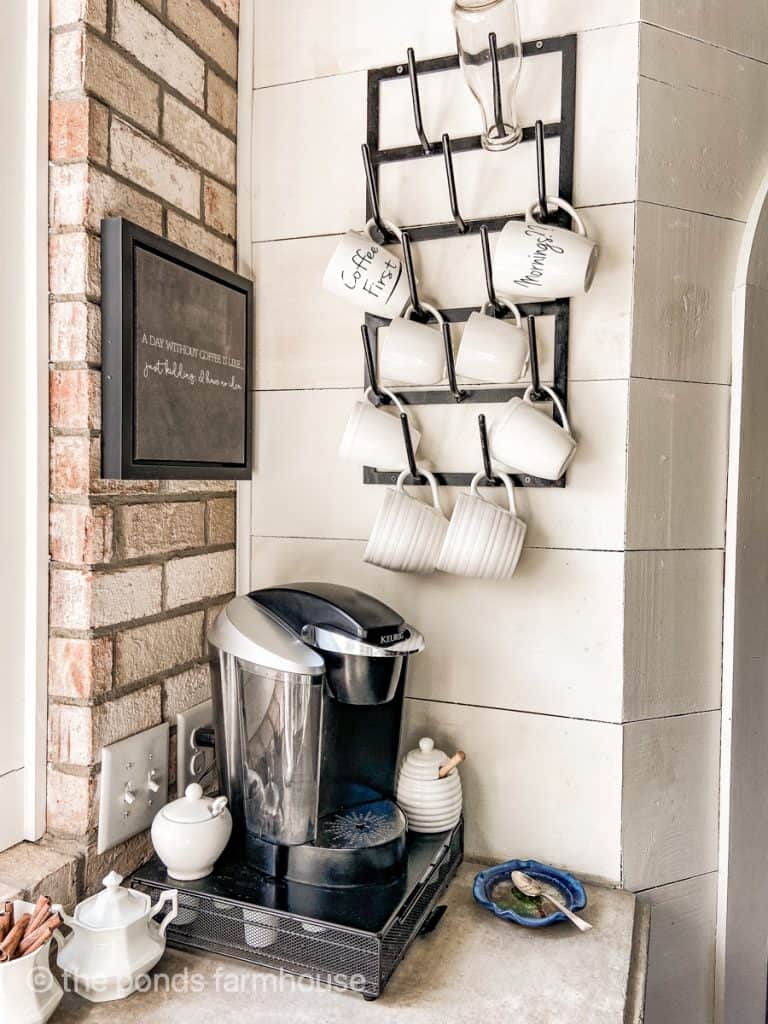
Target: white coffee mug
373	437
541	262
493	350
408	534
367	274
411	352
483	540
531	442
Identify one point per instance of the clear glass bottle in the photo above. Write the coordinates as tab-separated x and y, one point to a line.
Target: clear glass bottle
481	27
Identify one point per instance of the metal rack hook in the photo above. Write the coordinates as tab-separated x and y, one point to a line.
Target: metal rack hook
373	193
487	467
412	467
488	264
534	358
453	197
370	363
498	112
450	363
410	273
541	173
414	80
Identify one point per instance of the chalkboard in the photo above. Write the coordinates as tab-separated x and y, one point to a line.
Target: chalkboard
176	360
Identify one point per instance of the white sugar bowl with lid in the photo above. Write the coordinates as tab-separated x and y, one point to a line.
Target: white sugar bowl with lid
114	940
189	835
429	788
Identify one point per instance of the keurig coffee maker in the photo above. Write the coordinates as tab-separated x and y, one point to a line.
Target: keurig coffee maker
308	701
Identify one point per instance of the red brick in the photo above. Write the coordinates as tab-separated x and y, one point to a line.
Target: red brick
75	399
152	529
80	535
79	669
75	332
74	265
219	207
78	131
72	809
70	465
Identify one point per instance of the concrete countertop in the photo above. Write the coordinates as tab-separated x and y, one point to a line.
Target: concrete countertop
473	967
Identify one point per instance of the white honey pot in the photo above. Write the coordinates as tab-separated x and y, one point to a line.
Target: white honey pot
429	788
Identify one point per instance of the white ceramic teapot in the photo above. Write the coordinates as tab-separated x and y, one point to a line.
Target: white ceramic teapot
190	834
429	788
114	940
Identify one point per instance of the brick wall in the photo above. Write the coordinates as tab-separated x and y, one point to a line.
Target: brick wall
143	125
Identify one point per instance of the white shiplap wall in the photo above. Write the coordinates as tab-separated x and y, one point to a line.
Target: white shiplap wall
703	138
532	686
597	670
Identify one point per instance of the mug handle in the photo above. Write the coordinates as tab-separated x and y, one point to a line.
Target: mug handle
558	404
390	394
432	483
506	480
487	308
560	204
392	228
406	315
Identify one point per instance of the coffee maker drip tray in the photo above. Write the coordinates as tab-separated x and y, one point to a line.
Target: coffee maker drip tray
363	827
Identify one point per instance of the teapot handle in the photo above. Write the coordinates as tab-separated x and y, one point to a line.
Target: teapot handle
169	896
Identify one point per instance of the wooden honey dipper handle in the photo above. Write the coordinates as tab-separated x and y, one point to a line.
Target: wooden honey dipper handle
457	758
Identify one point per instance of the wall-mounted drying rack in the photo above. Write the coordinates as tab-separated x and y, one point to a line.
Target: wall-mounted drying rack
374	157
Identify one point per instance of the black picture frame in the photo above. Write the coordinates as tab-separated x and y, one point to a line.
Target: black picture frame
133	263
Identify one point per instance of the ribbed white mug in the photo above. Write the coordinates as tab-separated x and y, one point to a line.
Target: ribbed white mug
408	534
530	442
541	262
493	350
367	274
372	437
411	352
483	540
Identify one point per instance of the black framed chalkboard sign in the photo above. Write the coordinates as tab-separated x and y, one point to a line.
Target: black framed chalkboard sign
176	361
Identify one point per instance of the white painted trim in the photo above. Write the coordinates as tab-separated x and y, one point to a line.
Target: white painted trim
727	994
36	418
244	261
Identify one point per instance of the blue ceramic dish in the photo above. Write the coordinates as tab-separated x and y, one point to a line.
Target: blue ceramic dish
571	890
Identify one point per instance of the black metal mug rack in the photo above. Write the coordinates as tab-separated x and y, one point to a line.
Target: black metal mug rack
374	157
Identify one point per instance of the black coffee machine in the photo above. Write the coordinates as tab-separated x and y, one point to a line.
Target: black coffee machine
308	701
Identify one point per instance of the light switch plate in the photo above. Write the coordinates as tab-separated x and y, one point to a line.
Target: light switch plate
128	801
192	762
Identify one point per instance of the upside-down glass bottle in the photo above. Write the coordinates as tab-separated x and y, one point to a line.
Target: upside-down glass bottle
490	53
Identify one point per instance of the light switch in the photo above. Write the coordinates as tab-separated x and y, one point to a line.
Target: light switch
134	785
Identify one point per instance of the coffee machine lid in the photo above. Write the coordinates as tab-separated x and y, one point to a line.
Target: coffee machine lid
247	631
335	618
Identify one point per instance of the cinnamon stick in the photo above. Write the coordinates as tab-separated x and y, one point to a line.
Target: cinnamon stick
9	911
45	930
11	942
39	914
5	924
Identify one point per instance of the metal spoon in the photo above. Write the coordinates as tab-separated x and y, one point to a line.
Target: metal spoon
530	887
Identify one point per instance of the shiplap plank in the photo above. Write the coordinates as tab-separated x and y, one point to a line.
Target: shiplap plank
304	490
739	25
673	622
677	467
12	804
505	626
535	820
307	170
703	125
670	799
315	343
681	955
294	40
683	283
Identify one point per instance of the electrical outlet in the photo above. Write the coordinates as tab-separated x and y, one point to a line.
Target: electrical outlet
192	762
134	785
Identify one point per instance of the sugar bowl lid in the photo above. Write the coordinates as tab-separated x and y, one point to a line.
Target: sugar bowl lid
113	907
424	763
194	806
